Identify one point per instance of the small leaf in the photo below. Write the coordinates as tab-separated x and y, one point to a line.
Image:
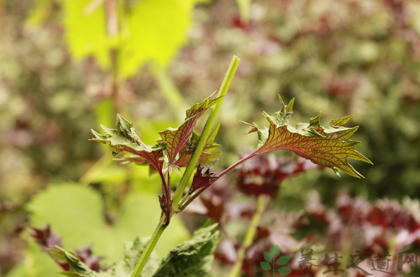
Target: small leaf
275	251
268	257
75	264
284	271
175	139
283	260
265	266
203	178
124	139
45	237
330	147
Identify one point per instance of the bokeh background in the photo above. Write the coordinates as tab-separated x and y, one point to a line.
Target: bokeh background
67	66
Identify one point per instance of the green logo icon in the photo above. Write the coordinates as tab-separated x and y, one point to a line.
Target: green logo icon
270	264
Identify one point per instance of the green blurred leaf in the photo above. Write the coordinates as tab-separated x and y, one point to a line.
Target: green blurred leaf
86	33
141	37
284	271
152	39
265	265
283	260
76	213
275	251
268	257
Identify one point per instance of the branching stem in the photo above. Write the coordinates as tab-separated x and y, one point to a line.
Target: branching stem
172	206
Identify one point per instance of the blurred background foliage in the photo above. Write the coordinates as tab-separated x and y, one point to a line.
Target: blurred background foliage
68	65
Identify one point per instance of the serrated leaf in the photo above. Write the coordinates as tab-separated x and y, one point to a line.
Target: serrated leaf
124	139
330	147
77	267
167	151
283	260
193	257
124	268
265	266
275	251
202	178
209	154
132	253
268	257
284	271
175	139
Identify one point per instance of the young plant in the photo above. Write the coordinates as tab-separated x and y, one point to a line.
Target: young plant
182	147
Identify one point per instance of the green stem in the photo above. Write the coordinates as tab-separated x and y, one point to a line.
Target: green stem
205	134
261	205
149	248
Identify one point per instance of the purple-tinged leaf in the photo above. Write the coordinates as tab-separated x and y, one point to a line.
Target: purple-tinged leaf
175	139
44	237
203	178
209	154
124	139
330	147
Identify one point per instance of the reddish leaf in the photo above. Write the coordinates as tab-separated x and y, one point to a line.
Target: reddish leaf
124	139
203	178
176	138
44	237
209	154
48	241
330	147
86	256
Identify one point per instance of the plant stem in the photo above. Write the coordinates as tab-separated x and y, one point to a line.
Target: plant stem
236	164
261	205
205	134
189	198
149	248
188	172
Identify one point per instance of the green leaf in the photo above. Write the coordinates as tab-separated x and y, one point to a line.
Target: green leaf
268	257
140	38
76	265
265	266
275	251
86	32
150	39
76	213
284	271
330	147
283	260
193	257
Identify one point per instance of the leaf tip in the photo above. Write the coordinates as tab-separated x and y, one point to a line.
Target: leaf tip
336	171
